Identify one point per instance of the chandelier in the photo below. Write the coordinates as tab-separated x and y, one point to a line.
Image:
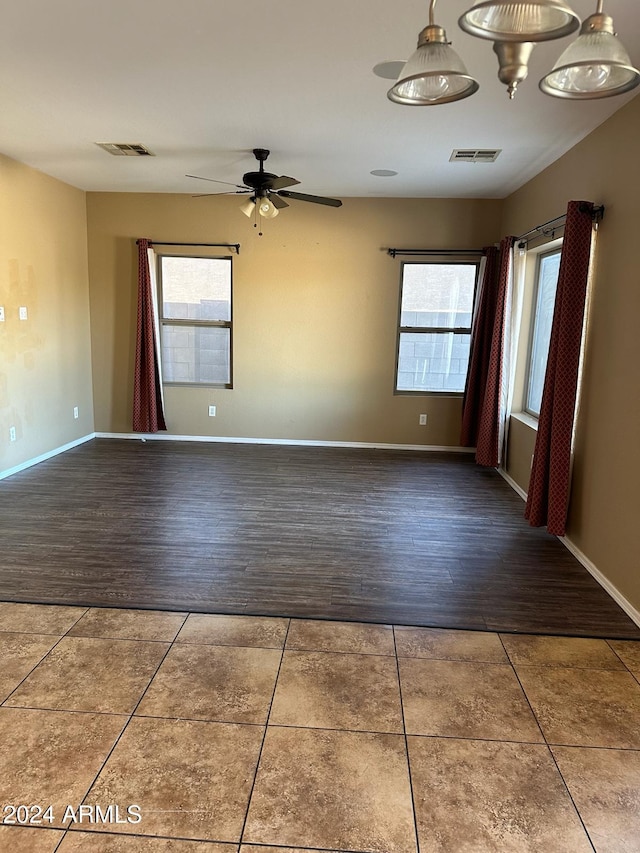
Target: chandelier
595	65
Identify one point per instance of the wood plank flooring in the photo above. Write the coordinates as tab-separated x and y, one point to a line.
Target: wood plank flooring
328	533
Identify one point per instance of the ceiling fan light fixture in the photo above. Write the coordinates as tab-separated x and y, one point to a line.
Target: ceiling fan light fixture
527	20
434	73
267	191
267	208
248	207
595	65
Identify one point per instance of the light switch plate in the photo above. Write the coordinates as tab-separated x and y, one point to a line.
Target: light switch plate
23	312
1	314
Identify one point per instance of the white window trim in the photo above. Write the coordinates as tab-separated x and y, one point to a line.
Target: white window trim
441	260
224	324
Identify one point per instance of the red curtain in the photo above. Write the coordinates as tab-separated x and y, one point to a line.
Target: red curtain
489	430
148	415
548	498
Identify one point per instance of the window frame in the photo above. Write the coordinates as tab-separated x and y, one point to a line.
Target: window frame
220	324
442	260
540	255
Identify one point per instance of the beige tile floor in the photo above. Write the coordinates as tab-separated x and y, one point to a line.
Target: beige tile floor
265	735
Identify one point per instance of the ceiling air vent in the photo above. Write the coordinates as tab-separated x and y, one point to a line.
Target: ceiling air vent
125	149
474	155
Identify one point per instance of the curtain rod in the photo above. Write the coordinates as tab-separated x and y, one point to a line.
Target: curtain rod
234	246
426	252
548	229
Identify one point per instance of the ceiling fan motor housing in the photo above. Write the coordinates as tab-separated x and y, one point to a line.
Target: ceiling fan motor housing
258	180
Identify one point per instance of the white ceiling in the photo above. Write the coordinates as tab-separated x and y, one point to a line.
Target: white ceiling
202	82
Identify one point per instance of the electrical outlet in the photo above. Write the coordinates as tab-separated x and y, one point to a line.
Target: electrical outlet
422	420
12	433
212	411
1	314
76	413
22	312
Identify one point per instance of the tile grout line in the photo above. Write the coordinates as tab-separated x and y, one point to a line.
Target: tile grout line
524	692
564	782
328	729
633	674
62	838
290	649
99	833
549	750
303	849
264	737
164	608
130	718
66	634
46	655
406	743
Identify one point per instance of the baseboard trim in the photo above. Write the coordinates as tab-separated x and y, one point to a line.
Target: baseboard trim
516	488
604	582
43	457
293	442
593	570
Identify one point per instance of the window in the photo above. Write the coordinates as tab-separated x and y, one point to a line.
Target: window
546	282
195	320
436	306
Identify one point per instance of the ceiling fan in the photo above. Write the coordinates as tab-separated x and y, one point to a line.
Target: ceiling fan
267	191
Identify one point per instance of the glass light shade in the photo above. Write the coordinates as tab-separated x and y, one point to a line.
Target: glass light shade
267	208
596	65
435	74
529	20
247	207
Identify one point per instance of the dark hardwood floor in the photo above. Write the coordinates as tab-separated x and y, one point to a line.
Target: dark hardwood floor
367	535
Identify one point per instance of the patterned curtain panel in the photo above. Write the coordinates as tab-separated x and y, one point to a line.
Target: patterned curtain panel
491	421
480	352
148	414
548	498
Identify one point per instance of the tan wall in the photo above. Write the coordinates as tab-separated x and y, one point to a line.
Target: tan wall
604	504
520	445
315	313
45	367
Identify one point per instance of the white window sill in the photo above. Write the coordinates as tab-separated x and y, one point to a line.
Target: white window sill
526	418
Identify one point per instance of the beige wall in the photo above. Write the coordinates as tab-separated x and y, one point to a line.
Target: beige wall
521	442
45	365
315	313
604	504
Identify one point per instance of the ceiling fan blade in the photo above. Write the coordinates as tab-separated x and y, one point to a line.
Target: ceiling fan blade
278	202
228	192
282	182
213	180
316	199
